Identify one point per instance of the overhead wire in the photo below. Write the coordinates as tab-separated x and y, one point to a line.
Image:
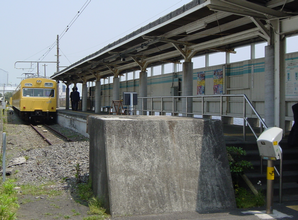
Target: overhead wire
77	16
64	55
138	25
66	29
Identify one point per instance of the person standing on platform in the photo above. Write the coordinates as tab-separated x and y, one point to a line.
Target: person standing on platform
293	136
75	98
71	98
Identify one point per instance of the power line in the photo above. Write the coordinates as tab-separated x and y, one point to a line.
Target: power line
75	18
66	29
138	25
65	55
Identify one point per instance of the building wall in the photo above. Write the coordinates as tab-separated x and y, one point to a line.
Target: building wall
246	77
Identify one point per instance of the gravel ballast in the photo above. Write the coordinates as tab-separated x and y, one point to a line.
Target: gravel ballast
40	162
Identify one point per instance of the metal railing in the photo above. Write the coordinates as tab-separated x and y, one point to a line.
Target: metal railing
198	105
174	105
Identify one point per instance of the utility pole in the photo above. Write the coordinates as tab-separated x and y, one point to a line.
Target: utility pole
6	73
57	53
44	69
58	104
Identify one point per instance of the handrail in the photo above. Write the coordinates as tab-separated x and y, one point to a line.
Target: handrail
203	100
161	99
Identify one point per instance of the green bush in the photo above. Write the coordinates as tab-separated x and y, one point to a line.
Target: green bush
244	198
237	165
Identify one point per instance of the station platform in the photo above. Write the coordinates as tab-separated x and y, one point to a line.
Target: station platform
233	134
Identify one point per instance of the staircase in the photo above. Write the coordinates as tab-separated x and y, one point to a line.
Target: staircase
290	169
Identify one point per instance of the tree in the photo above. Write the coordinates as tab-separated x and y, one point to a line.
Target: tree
8	95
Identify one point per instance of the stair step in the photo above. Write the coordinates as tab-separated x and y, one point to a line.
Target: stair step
290	170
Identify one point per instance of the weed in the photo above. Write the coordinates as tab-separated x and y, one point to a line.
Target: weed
78	173
237	165
27	158
75	213
66	216
8	200
244	198
95	204
37	190
95	217
55	206
64	178
25	201
85	191
49	214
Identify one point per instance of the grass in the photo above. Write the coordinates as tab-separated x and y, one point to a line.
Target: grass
246	199
96	210
48	214
8	200
25	201
75	213
55	206
37	190
243	197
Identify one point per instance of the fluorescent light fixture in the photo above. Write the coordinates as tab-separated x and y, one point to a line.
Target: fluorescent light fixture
197	27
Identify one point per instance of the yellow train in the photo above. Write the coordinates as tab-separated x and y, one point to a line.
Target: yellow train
35	99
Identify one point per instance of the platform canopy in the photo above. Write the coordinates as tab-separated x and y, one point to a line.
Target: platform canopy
196	28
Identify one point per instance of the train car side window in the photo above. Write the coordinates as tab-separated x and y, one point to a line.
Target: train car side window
49	92
27	92
38	93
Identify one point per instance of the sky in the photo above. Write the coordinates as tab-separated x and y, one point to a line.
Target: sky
28	28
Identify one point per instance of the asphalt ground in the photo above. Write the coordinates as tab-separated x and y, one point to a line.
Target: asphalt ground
287	210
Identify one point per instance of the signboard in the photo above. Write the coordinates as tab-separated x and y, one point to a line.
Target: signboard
201	83
292	78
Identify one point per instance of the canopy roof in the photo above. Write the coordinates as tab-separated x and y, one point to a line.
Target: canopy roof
197	28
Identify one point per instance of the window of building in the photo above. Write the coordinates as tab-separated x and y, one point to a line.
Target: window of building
242	53
198	62
217	58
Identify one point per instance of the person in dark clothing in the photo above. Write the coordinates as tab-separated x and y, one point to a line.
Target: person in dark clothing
71	98
75	98
293	136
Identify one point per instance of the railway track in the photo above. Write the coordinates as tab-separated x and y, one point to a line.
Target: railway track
52	137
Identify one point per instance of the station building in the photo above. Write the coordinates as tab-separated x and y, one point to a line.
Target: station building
157	62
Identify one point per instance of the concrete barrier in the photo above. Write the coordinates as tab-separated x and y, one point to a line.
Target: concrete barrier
159	164
73	121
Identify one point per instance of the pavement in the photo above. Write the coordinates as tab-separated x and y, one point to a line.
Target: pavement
286	210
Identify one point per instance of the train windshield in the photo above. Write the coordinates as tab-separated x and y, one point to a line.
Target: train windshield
38	92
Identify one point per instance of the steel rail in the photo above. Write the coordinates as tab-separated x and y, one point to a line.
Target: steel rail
44	138
57	132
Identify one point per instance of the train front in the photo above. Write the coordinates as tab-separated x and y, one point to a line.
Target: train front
38	101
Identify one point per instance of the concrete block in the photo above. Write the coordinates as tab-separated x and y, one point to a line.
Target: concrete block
159	164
